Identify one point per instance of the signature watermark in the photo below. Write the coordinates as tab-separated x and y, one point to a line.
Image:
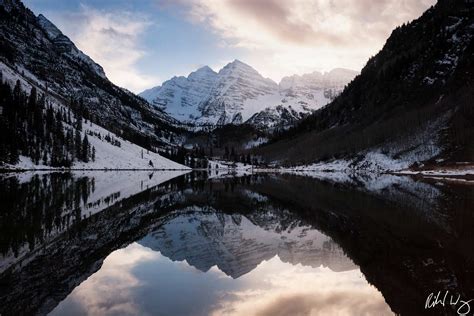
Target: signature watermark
447	299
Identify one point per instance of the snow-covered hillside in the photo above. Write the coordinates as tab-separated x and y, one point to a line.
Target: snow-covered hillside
238	94
126	157
33	45
107	154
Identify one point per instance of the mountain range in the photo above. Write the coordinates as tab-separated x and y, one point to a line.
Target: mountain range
239	94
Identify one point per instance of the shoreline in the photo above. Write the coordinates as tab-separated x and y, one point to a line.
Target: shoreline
439	173
88	169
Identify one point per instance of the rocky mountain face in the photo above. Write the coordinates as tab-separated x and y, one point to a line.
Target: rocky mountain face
314	90
411	102
231	98
181	96
300	96
239	94
34	48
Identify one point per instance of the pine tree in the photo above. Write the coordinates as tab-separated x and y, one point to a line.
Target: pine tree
17	92
85	149
78	144
45	158
32	100
79	123
69	142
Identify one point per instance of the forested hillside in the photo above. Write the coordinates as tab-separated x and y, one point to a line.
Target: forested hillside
43	56
413	100
39	131
32	127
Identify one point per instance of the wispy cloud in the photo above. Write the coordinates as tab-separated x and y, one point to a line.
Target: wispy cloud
292	36
112	39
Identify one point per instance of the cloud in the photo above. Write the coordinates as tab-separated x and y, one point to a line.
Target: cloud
297	35
110	291
112	39
278	288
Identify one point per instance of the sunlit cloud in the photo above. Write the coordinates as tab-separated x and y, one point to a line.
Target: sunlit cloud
136	280
112	39
294	36
276	288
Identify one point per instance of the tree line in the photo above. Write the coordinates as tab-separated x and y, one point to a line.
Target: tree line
31	126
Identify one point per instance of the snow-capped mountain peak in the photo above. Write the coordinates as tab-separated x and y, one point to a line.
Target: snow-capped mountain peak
238	94
202	72
237	67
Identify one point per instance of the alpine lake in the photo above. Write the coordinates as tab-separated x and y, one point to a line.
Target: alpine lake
177	243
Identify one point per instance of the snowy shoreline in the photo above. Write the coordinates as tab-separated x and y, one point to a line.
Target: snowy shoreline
7	170
462	171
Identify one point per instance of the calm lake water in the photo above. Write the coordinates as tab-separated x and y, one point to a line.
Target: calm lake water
169	243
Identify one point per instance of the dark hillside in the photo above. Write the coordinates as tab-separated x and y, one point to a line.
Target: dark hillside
416	93
35	48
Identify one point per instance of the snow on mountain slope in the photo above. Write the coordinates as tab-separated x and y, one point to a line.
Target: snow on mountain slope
181	96
239	94
126	157
107	156
314	90
238	85
34	45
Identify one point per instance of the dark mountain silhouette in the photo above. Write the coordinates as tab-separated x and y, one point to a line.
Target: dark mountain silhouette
415	97
35	52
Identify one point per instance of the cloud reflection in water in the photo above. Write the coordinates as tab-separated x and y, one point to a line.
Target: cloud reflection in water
136	280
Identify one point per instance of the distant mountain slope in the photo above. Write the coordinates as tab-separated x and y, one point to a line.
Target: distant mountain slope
413	101
238	94
237	86
182	96
39	51
299	96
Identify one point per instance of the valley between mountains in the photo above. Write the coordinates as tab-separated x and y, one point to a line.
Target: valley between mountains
409	110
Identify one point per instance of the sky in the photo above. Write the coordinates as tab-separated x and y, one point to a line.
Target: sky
142	43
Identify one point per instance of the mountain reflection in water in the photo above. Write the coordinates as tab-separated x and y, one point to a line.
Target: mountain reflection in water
167	243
